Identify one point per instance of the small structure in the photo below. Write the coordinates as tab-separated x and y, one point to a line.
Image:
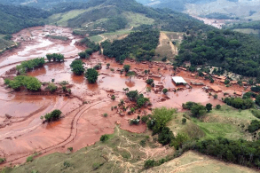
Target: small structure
215	88
179	80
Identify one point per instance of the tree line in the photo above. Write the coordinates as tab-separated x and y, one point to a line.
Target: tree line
232	51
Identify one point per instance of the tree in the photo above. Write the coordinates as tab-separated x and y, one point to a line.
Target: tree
257	100
108	65
209	107
198	110
149	81
82	55
132	95
218	107
165	90
127	68
165	136
32	84
91	75
77	67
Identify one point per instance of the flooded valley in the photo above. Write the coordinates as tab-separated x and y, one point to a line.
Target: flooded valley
23	133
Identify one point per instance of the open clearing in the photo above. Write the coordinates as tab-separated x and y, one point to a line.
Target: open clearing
192	162
166	48
137	19
121	153
61	19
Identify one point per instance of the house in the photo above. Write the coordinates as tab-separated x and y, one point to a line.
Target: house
179	80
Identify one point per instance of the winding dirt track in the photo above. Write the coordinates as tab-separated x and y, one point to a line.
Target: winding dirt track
72	134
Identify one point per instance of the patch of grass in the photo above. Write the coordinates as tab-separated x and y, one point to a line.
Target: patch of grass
112	156
63	38
61	19
137	19
96	38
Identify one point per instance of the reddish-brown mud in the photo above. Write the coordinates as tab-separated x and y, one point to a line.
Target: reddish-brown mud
21	130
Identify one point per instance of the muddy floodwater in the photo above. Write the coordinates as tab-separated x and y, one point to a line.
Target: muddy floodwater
21	130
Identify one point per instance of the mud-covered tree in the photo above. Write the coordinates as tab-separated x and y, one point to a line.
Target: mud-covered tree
91	75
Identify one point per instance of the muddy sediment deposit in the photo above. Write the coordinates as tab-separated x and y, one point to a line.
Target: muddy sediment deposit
22	132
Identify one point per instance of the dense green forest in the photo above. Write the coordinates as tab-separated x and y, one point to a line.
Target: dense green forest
233	51
16	18
139	45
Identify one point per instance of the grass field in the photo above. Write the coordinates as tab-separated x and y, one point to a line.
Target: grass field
5	44
192	162
248	31
61	19
166	48
137	19
96	38
227	122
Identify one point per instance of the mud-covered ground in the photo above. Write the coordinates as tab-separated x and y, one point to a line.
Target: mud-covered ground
22	132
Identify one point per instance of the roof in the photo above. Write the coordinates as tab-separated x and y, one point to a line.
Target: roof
178	80
215	88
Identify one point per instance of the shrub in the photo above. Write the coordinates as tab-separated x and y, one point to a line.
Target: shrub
239	103
198	110
209	107
29	159
95	166
2	160
215	96
143	143
91	75
256	113
255	88
113	97
165	91
159	119
141	100
127	68
165	136
134	121
184	120
104	138
30	83
149	164
149	81
70	149
52	88
54	115
82	55
226	82
254	126
144	119
218	107
132	95
105	114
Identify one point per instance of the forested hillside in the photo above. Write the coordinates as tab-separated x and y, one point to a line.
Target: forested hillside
16	18
139	45
232	51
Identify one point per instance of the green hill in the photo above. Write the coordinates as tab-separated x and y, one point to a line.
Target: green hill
16	18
